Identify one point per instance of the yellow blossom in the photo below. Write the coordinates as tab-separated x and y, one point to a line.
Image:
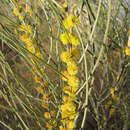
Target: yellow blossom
112	91
73	81
25	38
65	56
47	115
108	104
74	40
53	113
65	75
127	51
40	90
70	125
72	68
70	90
70	21
115	98
37	79
64	37
112	110
68	110
62	128
31	48
26	28
45	105
49	126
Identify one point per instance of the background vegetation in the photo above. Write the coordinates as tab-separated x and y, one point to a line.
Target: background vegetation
102	101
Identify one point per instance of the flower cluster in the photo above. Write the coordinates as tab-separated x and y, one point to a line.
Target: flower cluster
68	107
114	98
28	38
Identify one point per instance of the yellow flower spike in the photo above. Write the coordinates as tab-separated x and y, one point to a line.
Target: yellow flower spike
112	110
16	11
108	104
62	128
26	28
45	97
65	75
37	79
48	126
21	17
40	90
127	51
25	38
65	56
53	113
45	105
74	40
47	115
68	110
70	21
38	54
31	49
115	98
73	81
67	90
112	91
70	125
64	37
72	68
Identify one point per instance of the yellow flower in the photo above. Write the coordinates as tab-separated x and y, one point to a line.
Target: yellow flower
65	56
40	90
31	48
45	97
53	113
115	98
26	28
45	105
127	51
68	110
25	38
47	115
70	21
74	40
112	91
62	128
70	90
64	37
67	90
70	125
65	75
109	103
112	110
73	81
49	126
72	68
16	12
38	54
37	79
